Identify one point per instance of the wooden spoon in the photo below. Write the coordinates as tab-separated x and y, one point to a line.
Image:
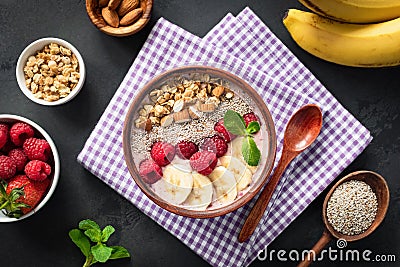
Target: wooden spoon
301	131
381	190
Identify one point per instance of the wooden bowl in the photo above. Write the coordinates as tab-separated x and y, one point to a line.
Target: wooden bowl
237	85
94	12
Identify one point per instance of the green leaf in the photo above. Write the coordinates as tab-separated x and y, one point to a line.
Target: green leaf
250	151
106	233
234	123
101	252
94	235
88	224
253	127
119	252
81	241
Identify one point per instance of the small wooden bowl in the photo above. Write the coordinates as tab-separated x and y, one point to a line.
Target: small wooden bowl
94	12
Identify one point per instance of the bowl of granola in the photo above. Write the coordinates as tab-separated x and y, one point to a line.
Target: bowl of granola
50	71
199	141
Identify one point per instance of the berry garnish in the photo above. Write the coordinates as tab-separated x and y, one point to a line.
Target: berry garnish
150	171
220	128
7	167
249	117
162	153
185	149
19	132
36	148
37	170
215	144
3	134
203	162
19	157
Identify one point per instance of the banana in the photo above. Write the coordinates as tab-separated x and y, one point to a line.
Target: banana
224	184
201	195
355	11
175	185
236	152
358	45
242	174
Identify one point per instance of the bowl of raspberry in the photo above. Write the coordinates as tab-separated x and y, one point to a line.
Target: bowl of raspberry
29	167
199	141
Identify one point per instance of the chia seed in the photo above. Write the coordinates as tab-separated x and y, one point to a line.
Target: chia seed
352	207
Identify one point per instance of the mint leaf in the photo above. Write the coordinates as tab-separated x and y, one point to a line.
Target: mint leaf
106	233
81	241
234	123
88	224
253	127
119	252
94	235
101	252
250	151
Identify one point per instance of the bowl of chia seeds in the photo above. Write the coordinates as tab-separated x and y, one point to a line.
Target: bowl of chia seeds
199	141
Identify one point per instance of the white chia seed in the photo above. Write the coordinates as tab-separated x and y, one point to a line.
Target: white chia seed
352	207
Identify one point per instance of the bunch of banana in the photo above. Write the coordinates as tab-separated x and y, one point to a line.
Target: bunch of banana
350	44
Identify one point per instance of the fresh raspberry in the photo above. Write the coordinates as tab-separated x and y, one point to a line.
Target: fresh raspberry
19	157
7	167
37	170
36	148
223	132
249	117
19	132
150	171
3	134
185	149
203	162
162	153
8	147
215	144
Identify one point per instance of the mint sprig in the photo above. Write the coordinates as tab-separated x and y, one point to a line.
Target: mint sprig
236	125
91	240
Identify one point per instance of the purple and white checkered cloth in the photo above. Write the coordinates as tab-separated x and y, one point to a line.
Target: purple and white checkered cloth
244	46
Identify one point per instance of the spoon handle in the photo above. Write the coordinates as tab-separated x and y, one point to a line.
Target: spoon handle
257	211
322	242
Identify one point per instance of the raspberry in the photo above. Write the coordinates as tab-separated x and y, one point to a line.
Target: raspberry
223	132
203	162
19	132
162	153
249	117
36	148
7	167
150	171
19	157
37	170
215	144
185	149
3	134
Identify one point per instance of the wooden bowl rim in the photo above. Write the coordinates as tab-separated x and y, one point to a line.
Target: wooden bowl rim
272	145
382	206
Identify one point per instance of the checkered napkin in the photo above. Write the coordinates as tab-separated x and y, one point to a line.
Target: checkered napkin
244	46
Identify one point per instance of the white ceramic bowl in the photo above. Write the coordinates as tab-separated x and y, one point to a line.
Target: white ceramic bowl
7	118
31	50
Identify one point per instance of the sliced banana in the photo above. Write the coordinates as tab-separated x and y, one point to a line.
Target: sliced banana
236	150
201	195
242	174
176	184
224	183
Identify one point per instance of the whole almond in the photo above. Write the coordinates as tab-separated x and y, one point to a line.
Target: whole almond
103	3
127	6
110	16
131	17
113	4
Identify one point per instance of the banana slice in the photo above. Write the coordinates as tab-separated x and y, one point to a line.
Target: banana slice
201	195
176	184
224	184
236	151
242	174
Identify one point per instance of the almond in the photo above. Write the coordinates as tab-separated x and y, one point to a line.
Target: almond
206	107
182	116
167	121
103	3
127	6
110	16
131	17
113	4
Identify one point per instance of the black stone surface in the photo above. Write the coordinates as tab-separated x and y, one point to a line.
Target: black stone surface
372	95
